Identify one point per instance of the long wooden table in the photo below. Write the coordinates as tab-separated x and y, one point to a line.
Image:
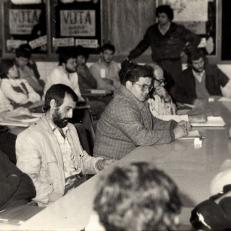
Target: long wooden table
191	168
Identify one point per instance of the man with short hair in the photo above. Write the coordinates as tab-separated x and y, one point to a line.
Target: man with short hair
106	70
200	81
50	151
127	122
65	72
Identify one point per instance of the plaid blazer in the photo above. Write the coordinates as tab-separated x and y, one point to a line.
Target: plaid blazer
126	124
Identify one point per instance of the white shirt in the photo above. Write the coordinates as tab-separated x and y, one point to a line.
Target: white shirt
5	104
60	76
71	166
25	95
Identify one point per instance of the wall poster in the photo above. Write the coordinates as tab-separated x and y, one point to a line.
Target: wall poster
79	20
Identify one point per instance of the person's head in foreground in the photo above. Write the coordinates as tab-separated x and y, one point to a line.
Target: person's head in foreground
60	101
137	197
138	79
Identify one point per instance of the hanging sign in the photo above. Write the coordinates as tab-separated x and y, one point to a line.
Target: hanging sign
77	23
21	21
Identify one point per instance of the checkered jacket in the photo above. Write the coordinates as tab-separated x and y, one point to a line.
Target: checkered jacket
126	124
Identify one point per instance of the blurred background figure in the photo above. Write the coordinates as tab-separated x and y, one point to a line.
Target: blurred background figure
136	197
86	80
200	81
26	68
17	90
106	70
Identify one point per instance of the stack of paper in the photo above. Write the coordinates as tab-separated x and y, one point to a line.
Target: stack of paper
212	121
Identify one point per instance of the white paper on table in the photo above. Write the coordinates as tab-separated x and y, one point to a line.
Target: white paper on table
177	118
192	135
212	121
224	99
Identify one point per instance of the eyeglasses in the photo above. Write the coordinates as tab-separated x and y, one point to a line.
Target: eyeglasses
161	82
145	87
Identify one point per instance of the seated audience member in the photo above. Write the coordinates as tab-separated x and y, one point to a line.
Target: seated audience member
160	102
16	187
201	80
50	151
86	80
136	197
65	73
105	70
15	90
127	121
26	68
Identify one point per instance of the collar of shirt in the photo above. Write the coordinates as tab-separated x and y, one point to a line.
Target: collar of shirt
199	76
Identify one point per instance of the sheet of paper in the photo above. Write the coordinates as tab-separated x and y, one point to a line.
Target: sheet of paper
212	121
192	135
224	99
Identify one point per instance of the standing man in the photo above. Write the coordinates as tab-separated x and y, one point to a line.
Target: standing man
106	70
127	121
50	151
167	41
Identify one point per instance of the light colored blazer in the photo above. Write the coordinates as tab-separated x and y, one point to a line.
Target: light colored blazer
39	155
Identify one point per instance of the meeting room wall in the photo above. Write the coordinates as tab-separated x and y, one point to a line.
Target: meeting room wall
123	23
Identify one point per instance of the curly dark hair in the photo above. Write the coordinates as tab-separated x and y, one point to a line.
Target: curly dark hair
131	71
137	197
165	9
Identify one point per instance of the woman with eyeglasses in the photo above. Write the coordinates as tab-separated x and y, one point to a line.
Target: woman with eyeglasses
160	102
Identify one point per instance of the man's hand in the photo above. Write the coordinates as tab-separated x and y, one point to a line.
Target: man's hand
104	163
185	124
182	129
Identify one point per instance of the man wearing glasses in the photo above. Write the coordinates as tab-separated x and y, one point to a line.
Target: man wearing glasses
127	121
160	102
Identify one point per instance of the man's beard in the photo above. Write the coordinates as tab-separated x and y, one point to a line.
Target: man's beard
61	123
